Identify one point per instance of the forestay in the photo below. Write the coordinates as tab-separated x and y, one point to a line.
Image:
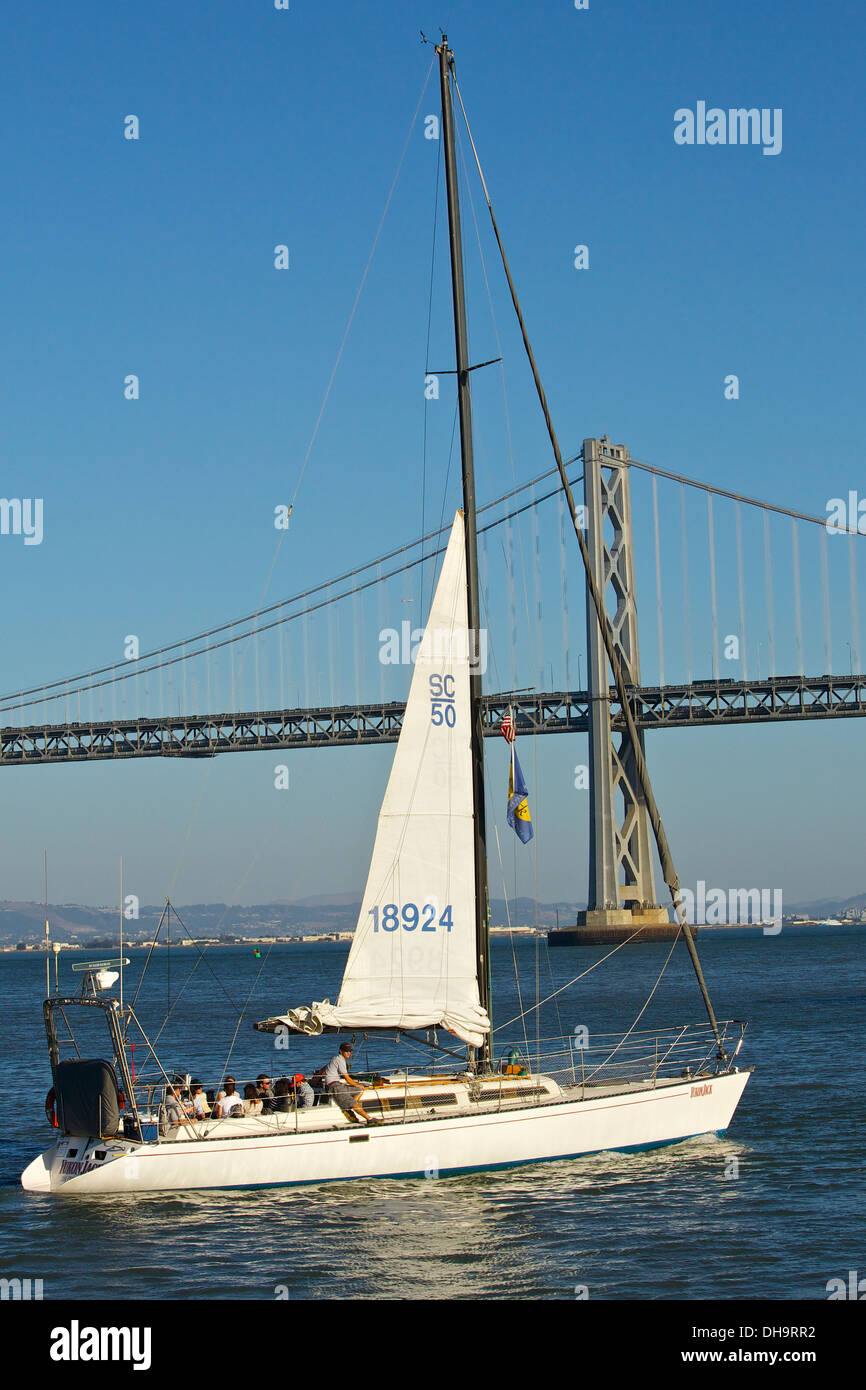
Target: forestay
413	957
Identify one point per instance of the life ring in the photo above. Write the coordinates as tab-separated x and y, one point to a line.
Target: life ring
50	1110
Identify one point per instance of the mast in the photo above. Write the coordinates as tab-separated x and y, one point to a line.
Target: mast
482	931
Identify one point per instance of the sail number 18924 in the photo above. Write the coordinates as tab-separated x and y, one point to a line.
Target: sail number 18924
410	916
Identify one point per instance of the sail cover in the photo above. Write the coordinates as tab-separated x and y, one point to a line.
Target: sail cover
413	957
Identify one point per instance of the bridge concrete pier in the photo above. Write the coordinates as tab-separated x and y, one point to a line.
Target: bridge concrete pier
599	928
621	898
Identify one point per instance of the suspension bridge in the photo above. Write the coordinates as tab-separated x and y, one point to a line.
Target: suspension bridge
751	593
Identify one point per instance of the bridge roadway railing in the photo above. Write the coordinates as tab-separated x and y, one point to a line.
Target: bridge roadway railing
695	705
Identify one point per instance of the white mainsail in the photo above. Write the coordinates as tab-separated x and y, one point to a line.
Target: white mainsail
413	957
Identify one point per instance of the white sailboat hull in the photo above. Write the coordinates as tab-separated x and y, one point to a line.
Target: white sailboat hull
637	1119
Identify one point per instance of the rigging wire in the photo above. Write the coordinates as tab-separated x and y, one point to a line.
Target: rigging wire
147	958
427	359
576	979
201	961
467	182
522	1014
552	981
351	320
665	856
343	341
253	633
537	932
442	527
646	1005
244	1009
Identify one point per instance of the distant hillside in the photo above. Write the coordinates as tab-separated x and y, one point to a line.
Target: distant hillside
310	916
827	907
352	899
525	912
26	921
316	915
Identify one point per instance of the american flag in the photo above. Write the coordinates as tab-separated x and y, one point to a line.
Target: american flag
507	729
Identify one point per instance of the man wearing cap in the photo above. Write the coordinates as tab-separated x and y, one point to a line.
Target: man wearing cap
304	1093
344	1088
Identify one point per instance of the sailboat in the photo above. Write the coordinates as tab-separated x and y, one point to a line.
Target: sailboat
419	964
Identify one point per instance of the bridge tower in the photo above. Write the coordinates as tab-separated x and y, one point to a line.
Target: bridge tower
621	894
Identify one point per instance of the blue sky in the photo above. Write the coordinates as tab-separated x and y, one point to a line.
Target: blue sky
155	257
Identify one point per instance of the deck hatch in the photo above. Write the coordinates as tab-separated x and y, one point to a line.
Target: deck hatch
510	1092
402	1102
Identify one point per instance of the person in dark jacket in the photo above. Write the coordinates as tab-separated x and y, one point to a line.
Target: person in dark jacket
282	1094
266	1095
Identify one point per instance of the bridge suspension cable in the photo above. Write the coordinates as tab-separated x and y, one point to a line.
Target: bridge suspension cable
740	497
330	592
127	669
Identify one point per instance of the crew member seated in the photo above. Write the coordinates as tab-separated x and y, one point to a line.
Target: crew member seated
282	1094
304	1094
228	1101
173	1113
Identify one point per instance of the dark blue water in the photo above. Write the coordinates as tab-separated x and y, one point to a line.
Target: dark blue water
668	1224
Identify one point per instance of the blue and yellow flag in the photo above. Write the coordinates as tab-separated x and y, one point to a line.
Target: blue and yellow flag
518	816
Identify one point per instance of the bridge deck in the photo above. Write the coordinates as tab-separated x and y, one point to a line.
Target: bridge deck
696	705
